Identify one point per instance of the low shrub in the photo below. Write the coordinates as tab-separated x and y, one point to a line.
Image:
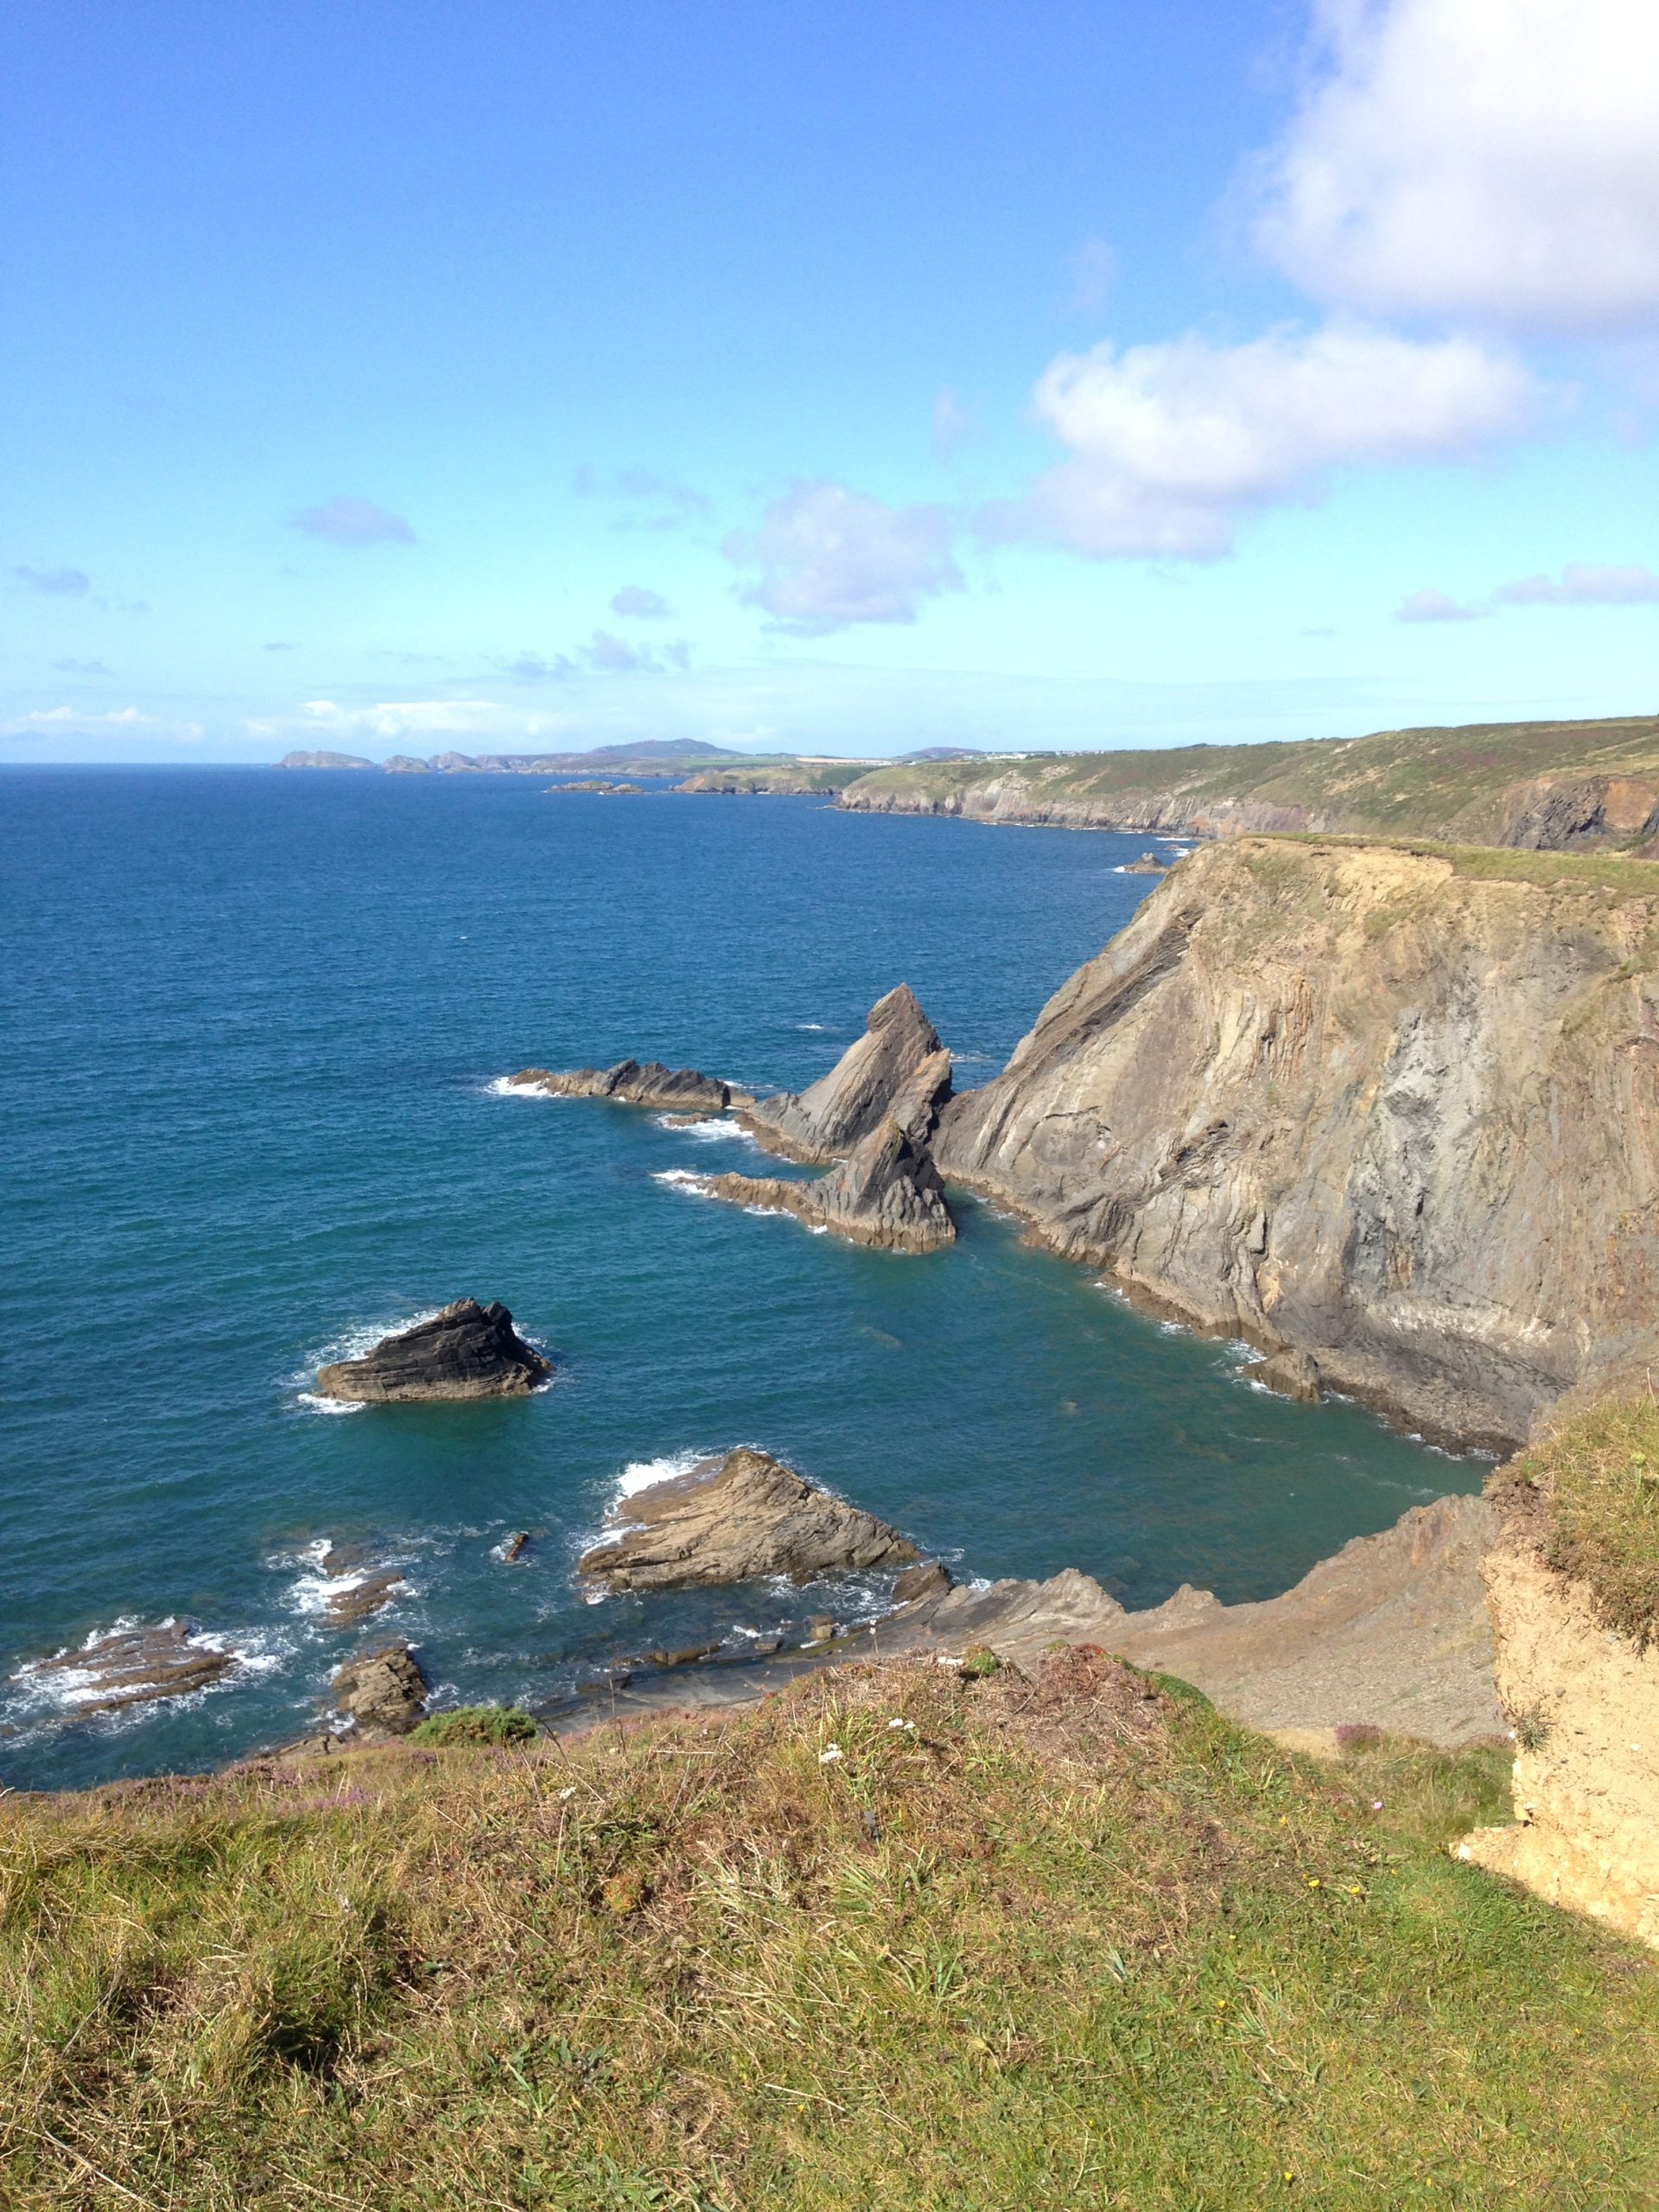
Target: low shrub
476	1724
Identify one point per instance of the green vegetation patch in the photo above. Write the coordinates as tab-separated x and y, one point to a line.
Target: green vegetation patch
1606	871
1597	1482
477	1724
891	1941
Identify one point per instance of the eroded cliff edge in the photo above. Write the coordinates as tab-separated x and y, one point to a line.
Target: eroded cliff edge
1394	1111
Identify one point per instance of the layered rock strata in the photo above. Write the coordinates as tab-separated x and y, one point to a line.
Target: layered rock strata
635	1083
886	1192
867	1085
1356	1104
133	1666
1584	1703
736	1519
467	1351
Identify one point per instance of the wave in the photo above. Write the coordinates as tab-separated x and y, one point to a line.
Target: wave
351	1343
48	1690
682	1179
503	1086
315	1591
314	1404
818	1028
716	1128
645	1474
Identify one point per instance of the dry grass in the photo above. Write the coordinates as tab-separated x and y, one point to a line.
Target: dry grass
1595	1485
1079	1943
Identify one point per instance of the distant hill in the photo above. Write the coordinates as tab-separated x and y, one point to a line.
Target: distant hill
939	753
1548	786
323	760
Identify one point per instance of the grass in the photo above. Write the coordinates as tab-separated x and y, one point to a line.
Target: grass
1431	782
1075	1943
495	1725
1605	871
1595	1484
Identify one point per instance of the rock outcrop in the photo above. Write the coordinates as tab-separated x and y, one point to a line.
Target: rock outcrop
467	1351
132	1666
382	1693
1362	1105
871	1082
635	1083
1584	1703
886	1192
735	1519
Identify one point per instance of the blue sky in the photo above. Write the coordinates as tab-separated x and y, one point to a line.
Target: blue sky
397	378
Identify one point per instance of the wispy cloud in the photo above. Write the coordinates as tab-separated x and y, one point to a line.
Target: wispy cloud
81	668
55	583
531	668
643	605
679	501
126	722
955	421
1431	606
354	522
1584	584
1094	272
277	646
827	557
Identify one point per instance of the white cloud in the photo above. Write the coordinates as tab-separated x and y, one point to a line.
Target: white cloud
127	722
396	718
1172	443
1581	584
955	421
354	523
829	555
1432	605
643	605
1485	160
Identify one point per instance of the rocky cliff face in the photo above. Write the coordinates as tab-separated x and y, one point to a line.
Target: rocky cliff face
1361	1105
466	1351
825	1120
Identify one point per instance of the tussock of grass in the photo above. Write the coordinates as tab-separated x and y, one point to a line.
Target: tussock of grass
475	1724
1597	1482
1073	1943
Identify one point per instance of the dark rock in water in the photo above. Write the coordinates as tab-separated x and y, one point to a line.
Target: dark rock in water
1292	1374
687	1657
382	1693
467	1351
134	1666
886	1193
1148	864
931	1578
737	1519
634	1083
370	1594
820	1628
861	1090
513	1548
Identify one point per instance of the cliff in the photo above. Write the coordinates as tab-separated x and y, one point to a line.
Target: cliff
1558	786
1393	1111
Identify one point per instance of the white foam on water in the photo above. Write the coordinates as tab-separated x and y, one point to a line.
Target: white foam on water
818	1028
683	1178
351	1343
43	1690
314	1404
503	1086
645	1474
715	1130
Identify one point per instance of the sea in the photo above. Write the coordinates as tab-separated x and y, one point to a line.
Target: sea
256	1114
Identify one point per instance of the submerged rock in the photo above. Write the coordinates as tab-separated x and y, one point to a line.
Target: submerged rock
133	1666
735	1519
382	1693
467	1351
634	1082
865	1087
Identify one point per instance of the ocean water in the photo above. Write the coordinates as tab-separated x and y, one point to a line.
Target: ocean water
253	1115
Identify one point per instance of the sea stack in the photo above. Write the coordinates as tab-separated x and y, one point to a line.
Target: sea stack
738	1518
827	1119
467	1351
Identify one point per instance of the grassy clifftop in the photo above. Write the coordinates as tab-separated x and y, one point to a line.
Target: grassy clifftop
898	1941
1460	783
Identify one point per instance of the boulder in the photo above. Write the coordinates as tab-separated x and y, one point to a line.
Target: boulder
634	1082
133	1666
1148	864
467	1351
382	1693
1290	1375
827	1119
735	1519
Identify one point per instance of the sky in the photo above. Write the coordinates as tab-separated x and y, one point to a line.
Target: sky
812	375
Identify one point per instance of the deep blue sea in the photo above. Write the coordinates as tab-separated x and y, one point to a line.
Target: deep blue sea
255	1023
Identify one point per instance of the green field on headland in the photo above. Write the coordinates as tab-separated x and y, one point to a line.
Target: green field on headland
897	1940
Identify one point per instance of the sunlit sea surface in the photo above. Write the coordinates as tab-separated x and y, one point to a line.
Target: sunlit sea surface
253	1116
